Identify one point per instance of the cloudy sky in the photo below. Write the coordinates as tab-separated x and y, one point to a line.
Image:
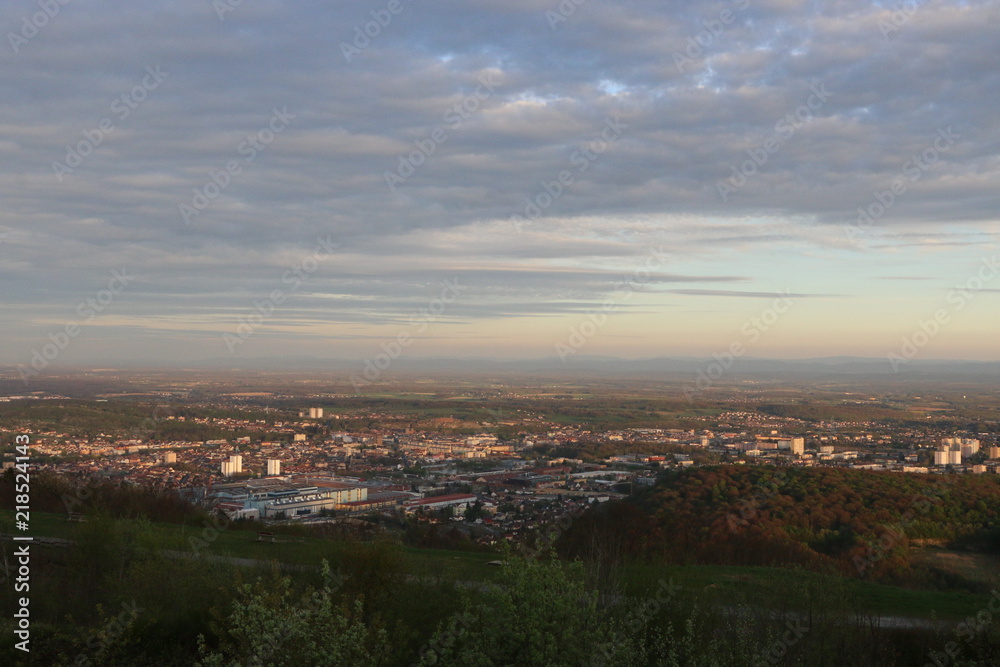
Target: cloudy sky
192	179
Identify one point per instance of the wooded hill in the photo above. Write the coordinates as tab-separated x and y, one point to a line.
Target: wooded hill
859	523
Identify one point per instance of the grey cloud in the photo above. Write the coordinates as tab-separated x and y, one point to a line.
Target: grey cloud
750	295
325	173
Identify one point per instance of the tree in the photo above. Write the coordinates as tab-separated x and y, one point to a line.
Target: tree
474	511
540	613
107	548
268	627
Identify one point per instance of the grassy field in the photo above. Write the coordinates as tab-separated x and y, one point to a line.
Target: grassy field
980	568
703	582
290	549
750	584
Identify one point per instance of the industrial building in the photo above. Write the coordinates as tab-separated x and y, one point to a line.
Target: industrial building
457	501
377	501
300	506
288	497
794	445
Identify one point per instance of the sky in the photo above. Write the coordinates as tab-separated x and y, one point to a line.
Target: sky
193	180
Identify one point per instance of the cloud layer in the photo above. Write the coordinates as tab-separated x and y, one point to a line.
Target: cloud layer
541	153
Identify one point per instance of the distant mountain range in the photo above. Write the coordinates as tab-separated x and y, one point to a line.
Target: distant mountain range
612	366
672	368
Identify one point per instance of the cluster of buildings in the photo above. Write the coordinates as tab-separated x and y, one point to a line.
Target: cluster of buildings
957	451
509	500
321	469
436	446
233	466
764	443
306	469
312	497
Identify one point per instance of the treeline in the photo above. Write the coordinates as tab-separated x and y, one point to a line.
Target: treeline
113	498
857	523
72	415
812	412
118	419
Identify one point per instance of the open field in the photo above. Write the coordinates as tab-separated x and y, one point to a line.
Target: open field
728	584
706	583
290	548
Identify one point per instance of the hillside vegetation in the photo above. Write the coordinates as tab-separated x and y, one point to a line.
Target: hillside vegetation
854	522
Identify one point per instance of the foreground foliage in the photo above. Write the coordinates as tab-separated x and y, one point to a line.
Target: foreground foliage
118	597
268	625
